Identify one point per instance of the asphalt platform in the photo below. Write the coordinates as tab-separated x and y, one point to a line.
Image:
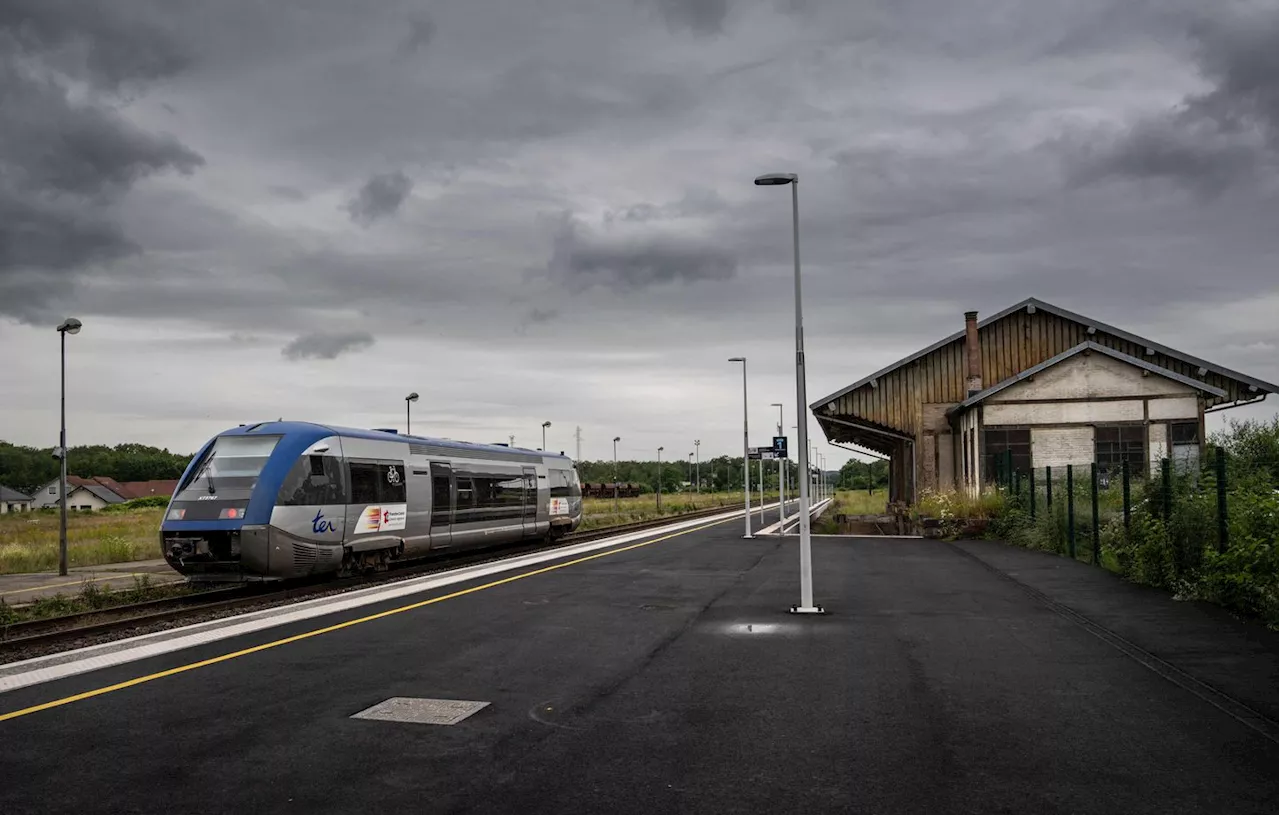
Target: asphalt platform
669	677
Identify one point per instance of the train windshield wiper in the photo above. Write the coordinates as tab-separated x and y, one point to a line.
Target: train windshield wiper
201	471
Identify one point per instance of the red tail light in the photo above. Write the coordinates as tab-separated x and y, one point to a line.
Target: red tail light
231	513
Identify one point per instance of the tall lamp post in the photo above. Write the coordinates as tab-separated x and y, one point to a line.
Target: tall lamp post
806	560
659	479
690	474
68	326
545	425
408	400
746	464
616	439
697	466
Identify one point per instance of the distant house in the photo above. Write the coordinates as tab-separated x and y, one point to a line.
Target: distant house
99	491
13	501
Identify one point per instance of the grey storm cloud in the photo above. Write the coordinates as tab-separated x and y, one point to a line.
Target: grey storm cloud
165	159
66	158
636	260
1211	140
422	30
703	17
322	345
380	197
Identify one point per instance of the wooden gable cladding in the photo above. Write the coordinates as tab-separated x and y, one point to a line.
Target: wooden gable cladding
1007	347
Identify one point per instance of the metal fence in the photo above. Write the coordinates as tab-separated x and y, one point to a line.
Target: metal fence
1077	510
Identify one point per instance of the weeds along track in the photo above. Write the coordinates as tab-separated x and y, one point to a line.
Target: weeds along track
23	640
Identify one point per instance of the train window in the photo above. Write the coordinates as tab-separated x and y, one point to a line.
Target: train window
377	483
312	481
364	483
391	488
561	486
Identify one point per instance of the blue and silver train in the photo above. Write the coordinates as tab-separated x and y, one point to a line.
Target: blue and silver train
279	500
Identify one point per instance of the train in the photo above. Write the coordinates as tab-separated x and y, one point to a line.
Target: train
281	500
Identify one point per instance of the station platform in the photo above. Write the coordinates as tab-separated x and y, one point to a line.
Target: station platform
16	589
664	673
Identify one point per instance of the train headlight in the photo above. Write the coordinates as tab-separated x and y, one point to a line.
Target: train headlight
177	514
231	513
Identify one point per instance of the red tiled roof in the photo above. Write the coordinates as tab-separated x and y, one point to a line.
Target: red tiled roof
146	489
127	490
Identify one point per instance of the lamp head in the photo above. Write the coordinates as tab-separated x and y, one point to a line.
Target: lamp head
776	179
737	359
70	325
413	397
546	424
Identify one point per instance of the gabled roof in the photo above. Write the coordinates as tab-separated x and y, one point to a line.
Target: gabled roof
1071	352
1066	315
7	494
98	490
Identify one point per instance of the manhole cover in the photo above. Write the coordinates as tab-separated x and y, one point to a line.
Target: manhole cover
421	711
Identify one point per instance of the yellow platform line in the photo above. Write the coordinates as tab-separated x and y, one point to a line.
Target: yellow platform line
26	711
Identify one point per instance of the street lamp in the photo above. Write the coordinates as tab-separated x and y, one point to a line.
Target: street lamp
697	466
408	400
545	425
68	326
806	560
782	478
746	464
659	480
511	440
616	439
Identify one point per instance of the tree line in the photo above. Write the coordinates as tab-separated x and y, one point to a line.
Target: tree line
26	469
719	474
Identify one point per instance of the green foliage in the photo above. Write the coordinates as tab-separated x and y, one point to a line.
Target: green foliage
28	468
855	474
719	474
149	502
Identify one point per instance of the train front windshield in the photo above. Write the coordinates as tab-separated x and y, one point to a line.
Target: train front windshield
225	477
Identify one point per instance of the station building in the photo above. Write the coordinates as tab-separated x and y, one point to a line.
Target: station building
1041	384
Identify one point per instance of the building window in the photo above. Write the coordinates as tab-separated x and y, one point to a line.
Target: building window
1003	446
1112	446
53	490
1185	433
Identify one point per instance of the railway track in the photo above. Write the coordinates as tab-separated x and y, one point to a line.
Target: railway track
22	640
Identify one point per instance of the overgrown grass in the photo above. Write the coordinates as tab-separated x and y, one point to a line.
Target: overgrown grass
859	502
92	596
599	512
29	541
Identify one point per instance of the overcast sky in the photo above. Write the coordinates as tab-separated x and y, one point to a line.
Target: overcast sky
543	210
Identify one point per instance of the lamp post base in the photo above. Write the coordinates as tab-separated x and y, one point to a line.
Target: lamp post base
748	537
808	610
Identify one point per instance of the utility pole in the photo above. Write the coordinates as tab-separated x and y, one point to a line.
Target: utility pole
697	454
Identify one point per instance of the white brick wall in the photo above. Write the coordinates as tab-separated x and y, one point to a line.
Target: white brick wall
1181	407
1094	375
1060	446
1064	413
1157	445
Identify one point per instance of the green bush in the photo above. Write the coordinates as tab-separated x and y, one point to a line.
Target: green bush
1178	553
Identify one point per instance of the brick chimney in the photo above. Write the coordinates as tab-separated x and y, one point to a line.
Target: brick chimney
972	354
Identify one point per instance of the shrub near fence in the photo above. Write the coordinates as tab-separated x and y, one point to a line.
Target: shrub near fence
1206	532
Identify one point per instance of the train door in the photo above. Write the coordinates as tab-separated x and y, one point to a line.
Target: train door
442	504
529	504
